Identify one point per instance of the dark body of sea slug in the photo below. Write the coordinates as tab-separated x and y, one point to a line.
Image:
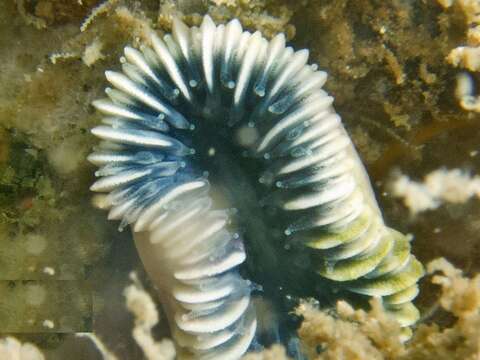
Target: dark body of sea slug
224	155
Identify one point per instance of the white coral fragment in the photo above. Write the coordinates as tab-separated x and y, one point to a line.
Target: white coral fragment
100	9
141	305
439	186
12	349
467	57
93	52
464	92
62	55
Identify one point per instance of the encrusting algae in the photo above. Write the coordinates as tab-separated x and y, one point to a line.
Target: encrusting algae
391	70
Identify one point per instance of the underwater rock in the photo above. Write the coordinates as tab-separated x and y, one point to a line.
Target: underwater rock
366	46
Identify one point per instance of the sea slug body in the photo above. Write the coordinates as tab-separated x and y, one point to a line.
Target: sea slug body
212	118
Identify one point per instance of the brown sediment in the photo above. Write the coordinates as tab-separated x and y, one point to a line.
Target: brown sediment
423	135
45	13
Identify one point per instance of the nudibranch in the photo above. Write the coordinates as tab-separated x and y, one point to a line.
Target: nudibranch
225	157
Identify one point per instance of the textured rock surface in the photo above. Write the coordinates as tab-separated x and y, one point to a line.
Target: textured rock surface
387	70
